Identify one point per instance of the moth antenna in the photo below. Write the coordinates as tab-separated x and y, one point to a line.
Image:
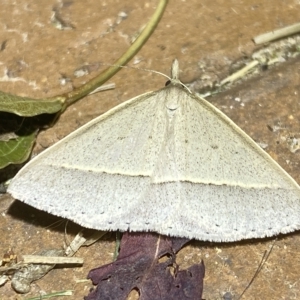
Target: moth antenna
174	72
141	69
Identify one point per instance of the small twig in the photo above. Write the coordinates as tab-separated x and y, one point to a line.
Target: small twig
240	73
51	295
118	243
82	240
12	268
40	259
102	88
277	34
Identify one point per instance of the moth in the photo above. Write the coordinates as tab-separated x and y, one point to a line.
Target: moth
166	161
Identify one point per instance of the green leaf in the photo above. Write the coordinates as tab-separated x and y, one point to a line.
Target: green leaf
28	107
16	151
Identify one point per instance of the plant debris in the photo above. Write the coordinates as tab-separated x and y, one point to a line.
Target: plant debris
22	278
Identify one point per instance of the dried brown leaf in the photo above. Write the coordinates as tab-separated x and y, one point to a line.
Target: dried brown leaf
138	267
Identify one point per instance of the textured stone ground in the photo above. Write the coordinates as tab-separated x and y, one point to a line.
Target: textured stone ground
207	37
